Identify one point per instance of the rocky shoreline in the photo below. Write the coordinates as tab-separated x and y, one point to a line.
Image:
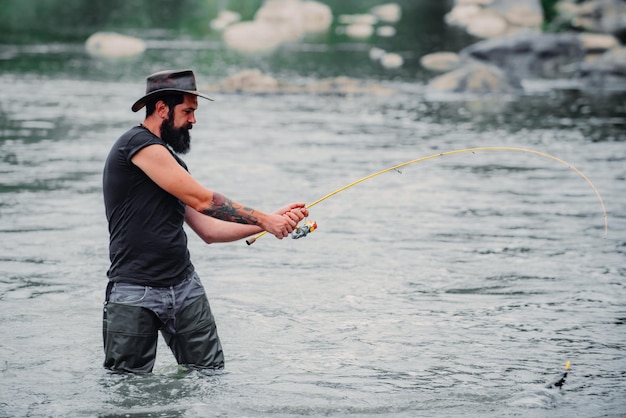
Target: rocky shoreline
582	44
254	81
586	50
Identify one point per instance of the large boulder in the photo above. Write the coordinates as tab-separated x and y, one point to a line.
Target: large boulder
277	22
114	45
594	60
529	54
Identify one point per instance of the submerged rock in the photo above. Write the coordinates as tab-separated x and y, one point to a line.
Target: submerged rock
255	82
608	72
359	30
345	86
386	31
249	81
388	60
477	79
441	61
391	60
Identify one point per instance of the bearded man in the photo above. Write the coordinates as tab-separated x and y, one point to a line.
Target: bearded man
148	196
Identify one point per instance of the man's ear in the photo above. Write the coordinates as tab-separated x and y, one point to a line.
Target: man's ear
162	109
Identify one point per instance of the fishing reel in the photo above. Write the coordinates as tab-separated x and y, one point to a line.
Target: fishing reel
304	230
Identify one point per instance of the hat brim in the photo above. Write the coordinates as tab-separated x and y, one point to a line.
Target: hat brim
142	102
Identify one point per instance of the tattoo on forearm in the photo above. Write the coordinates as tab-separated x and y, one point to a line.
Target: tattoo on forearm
223	208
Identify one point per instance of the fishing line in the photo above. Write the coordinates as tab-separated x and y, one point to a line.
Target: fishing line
397	167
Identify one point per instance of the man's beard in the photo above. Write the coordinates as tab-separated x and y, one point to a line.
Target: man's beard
177	138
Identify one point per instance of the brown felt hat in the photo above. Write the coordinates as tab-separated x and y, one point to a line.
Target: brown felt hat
171	80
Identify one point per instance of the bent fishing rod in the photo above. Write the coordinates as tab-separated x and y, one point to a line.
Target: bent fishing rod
251	240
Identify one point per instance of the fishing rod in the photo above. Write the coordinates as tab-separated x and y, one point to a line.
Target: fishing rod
311	227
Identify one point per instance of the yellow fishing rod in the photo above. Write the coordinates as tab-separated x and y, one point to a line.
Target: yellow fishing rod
251	240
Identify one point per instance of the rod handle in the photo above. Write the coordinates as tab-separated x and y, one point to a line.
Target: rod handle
251	240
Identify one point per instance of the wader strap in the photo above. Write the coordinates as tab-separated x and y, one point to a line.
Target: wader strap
107	295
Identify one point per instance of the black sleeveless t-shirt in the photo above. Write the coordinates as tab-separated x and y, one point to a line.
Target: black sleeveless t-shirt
147	245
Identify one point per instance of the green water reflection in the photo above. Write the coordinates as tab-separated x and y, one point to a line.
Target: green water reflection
46	37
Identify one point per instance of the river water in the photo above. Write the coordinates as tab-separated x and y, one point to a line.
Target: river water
457	286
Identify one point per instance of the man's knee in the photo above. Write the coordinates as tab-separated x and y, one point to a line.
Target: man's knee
130	338
196	342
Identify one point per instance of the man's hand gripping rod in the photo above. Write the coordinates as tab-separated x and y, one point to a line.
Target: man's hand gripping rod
299	232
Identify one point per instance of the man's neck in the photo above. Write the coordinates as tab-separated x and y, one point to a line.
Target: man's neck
153	126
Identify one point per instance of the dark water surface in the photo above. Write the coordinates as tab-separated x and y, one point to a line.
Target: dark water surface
459	286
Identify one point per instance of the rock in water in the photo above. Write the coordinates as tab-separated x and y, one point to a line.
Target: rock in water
114	45
477	79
